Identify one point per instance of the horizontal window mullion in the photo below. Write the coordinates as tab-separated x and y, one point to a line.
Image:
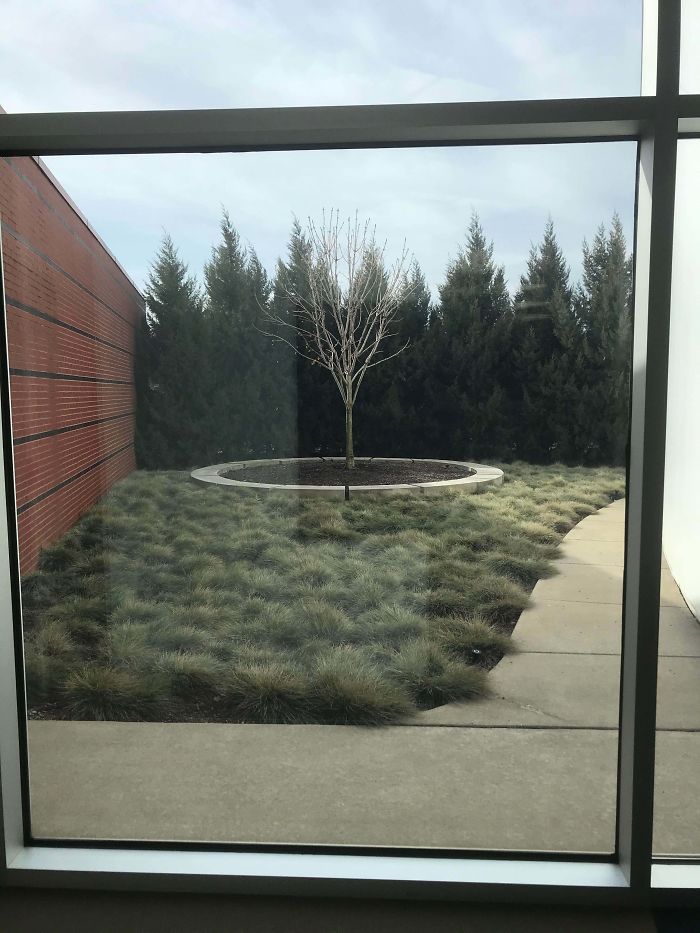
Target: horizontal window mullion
259	129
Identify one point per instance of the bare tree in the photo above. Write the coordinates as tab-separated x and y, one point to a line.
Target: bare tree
346	307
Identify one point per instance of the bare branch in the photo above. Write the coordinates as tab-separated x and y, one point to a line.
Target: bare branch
347	300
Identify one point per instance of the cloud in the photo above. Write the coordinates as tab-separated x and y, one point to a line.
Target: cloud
116	54
425	196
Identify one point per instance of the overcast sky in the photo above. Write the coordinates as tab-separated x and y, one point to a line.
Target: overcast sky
123	54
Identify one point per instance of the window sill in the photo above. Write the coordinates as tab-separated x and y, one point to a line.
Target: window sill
311	874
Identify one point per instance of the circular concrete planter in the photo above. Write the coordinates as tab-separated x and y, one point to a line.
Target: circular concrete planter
480	477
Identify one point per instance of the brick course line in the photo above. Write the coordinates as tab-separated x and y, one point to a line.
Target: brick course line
14	303
43	404
39	285
6	228
37	374
71	427
48	520
72	479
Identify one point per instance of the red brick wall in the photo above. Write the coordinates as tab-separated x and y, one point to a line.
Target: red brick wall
71	318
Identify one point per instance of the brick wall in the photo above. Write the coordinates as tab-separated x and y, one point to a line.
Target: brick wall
71	318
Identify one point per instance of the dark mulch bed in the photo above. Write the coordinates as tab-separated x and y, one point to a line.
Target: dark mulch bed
366	473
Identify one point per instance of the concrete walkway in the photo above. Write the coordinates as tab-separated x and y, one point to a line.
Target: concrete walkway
566	669
532	767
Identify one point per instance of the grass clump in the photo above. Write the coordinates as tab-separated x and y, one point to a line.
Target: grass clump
60	556
471	639
350	690
268	693
432	678
45	674
179	601
191	676
105	693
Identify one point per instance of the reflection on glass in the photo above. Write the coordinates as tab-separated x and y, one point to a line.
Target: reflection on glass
364	584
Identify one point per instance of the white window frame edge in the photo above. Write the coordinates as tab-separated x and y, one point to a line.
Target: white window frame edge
653	120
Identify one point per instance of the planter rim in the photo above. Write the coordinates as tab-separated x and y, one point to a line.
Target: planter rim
481	475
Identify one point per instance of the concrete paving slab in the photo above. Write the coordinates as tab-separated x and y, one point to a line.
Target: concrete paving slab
547	690
582	583
670	594
491	712
574	628
573	689
610	513
618	505
678	692
585	551
679	632
567	690
557	690
400	786
601	531
676	811
596	628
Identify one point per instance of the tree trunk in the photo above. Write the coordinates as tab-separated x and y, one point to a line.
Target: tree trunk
349	454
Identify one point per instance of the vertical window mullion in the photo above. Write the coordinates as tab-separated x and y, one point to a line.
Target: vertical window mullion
653	261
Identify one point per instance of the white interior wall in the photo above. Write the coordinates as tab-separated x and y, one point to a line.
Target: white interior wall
682	488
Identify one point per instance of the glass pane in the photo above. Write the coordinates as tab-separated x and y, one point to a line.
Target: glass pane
385	660
275	54
677	827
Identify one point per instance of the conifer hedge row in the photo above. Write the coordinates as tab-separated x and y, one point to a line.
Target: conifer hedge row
542	375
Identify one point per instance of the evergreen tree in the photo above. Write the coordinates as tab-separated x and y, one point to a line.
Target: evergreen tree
466	411
546	354
251	412
547	379
388	409
604	308
171	356
318	407
547	274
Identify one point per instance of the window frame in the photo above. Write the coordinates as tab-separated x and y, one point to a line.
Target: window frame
656	121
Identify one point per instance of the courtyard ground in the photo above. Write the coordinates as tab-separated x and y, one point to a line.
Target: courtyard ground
170	601
533	767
